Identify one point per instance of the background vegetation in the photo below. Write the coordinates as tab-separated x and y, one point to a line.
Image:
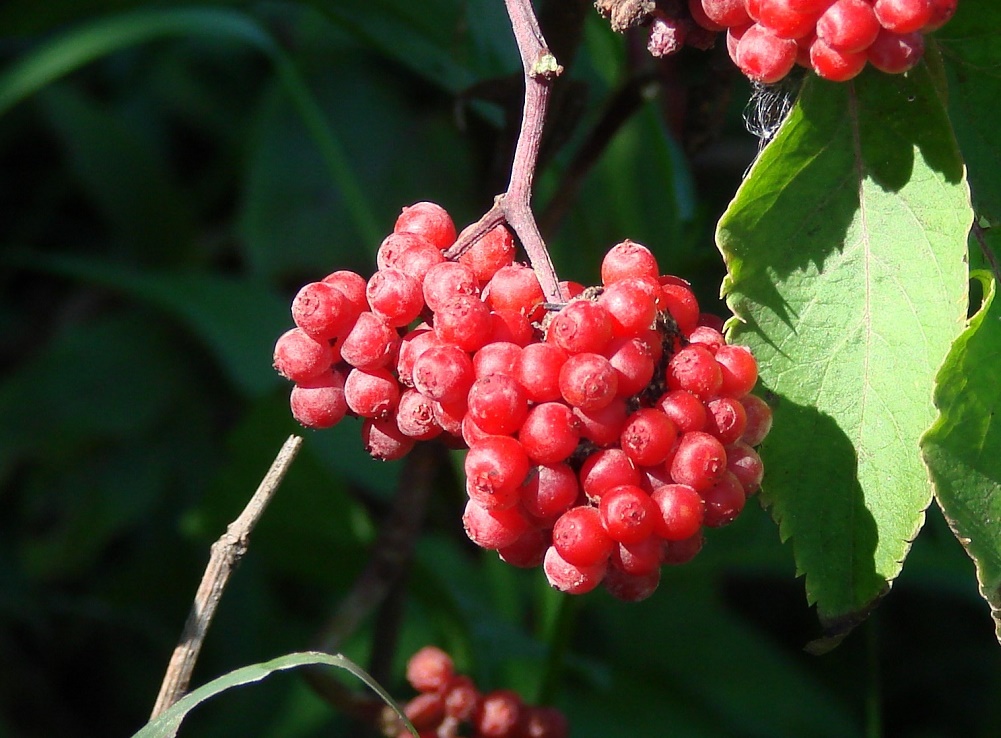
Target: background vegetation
162	198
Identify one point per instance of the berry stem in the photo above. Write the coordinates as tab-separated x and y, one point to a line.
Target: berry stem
514	205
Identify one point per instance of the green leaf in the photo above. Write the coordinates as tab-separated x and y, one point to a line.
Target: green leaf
167	724
962	448
238	320
845	248
972	58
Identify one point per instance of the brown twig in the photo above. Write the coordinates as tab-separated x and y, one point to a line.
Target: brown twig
226	554
514	205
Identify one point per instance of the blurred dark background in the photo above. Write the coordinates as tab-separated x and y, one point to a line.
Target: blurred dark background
170	174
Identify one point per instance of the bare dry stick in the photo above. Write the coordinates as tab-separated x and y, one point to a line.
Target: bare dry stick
226	554
514	206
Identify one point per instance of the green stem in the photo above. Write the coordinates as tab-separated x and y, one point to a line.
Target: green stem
559	632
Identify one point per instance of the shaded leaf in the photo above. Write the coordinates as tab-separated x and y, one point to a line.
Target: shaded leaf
962	448
972	57
167	724
845	247
238	320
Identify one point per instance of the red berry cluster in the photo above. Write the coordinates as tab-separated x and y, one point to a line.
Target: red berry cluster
448	702
603	434
834	38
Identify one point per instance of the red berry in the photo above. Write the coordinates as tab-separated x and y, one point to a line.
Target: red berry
738	370
724	500
528	551
497	404
571	579
319	402
848	25
384	441
429	220
371	393
699	461
834	65
648	437
415	416
684	409
515	288
603	427
744	463
581	327
498	714
764	57
605	469
703	335
903	16
510	325
493	251
495	468
681	552
679	300
418	259
371	343
538	371
395	245
444	373
447	280
463	320
895	53
694	368
633	362
681	511
759	419
580	538
627	513
352	286
412	345
726	13
783	19
298	357
499	357
395	297
430	669
425	711
322	311
941	12
727	419
493	529
549	491
588	381
630	306
641	557
628	259
461	697
550	432
701	18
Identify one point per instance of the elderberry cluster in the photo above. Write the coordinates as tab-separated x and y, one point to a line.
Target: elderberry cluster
603	433
449	704
767	38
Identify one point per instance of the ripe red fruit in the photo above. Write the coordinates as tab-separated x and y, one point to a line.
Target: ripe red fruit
498	714
515	288
371	343
588	381
628	259
782	18
699	461
724	500
680	509
498	357
298	357
490	253
834	65
461	696
699	15
633	362
444	373
417	259
384	441
351	285
638	558
744	463
764	57
896	53
371	393
463	320
627	513
903	16
738	370
685	409
412	345
759	419
544	722
726	13
726	419
681	552
648	436
510	325
430	220
580	538
848	25
549	433
395	245
430	669
493	529
528	551
605	469
548	492
395	297
425	711
694	368
447	280
322	311
538	371
495	468
415	416
319	402
498	404
571	579
581	327
630	305
941	12
603	427
631	587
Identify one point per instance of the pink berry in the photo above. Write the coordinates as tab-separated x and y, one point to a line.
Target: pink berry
498	404
319	402
493	529
463	320
538	371
429	220
415	416
699	461
430	669
444	373
764	57
569	578
588	381
628	259
495	469
492	252
648	436
322	311
744	463
298	357
515	288
549	491
627	513
384	441
895	53
395	297
371	393
550	432
447	280
681	511
848	25
371	343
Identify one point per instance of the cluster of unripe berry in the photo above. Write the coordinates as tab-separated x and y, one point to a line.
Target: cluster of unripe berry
767	38
449	704
603	433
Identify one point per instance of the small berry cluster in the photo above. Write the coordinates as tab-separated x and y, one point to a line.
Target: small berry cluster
603	434
767	38
448	702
